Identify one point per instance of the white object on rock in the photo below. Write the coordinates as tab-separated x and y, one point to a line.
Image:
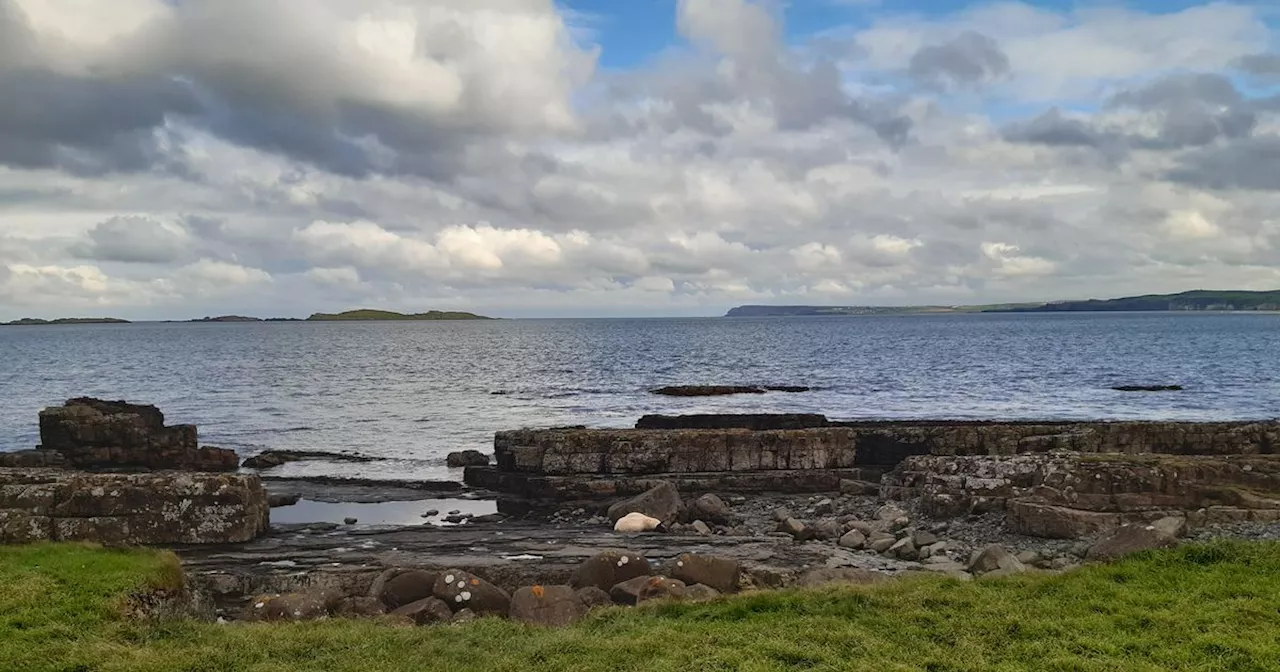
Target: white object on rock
636	522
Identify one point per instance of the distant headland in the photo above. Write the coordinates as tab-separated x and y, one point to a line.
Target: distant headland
1197	300
363	315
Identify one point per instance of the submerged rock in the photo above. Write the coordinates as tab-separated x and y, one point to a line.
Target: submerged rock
274	458
467	458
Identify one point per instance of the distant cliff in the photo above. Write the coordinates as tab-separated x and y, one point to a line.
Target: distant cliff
371	315
1193	300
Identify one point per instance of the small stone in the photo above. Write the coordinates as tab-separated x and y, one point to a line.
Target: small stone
710	508
593	597
881	545
700	527
860	525
349	521
923	538
826	529
899	523
1171	526
463	616
904	549
781	515
853	539
878	536
824	507
454	512
1028	557
430	513
889	512
794	528
466	458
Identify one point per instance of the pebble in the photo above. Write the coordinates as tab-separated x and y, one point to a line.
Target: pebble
349	521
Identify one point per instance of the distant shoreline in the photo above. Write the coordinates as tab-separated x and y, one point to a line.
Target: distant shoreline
1219	301
363	315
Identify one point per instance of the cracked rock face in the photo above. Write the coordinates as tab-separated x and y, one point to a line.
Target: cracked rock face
96	434
135	509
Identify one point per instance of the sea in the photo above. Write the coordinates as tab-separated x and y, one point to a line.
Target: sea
408	393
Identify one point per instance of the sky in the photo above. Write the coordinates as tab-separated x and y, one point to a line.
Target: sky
172	159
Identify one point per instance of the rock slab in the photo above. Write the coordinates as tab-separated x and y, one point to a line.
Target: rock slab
158	508
96	434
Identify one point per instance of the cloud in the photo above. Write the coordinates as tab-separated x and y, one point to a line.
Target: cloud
969	59
469	154
1266	66
133	239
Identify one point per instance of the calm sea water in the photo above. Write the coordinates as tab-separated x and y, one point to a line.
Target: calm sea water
411	392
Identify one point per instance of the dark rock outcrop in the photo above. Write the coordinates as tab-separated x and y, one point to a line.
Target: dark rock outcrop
467	458
274	458
106	435
33	459
723	390
1148	388
757	421
135	509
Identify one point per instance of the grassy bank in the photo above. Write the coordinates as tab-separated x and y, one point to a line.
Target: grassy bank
1211	607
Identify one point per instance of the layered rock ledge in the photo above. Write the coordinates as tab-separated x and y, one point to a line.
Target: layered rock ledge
130	509
1068	495
94	434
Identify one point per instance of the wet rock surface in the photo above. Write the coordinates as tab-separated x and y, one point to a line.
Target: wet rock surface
466	458
274	458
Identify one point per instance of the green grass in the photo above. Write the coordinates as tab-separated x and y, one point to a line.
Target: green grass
1214	607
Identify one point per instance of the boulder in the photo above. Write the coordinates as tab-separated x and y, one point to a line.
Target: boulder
463	590
794	528
890	512
661	501
606	569
700	593
922	538
880	544
853	539
645	588
103	435
593	597
994	557
551	606
360	607
904	549
709	570
398	587
711	509
467	458
425	611
299	606
826	529
822	576
1128	539
636	522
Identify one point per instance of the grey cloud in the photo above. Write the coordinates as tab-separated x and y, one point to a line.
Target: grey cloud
1252	164
969	59
133	240
1263	65
1194	109
1055	129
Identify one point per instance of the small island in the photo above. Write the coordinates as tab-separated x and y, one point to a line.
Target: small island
35	322
369	315
1197	300
228	318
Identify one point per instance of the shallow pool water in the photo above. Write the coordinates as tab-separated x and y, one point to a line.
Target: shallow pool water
381	513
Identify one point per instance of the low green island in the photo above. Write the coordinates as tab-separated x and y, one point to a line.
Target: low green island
1196	300
36	322
369	315
1197	607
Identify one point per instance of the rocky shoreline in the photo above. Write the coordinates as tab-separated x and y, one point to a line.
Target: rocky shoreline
772	501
